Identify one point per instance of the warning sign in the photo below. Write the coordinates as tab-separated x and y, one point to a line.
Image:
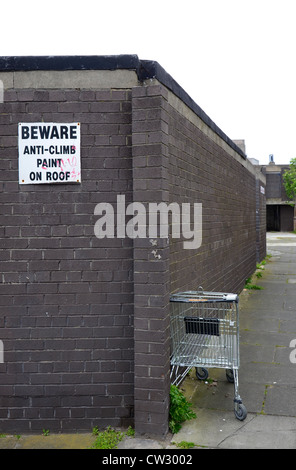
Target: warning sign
49	152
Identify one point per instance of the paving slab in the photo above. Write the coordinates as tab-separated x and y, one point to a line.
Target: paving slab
216	429
210	428
267	377
263	432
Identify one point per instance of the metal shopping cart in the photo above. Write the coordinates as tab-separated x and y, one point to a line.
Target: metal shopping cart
204	334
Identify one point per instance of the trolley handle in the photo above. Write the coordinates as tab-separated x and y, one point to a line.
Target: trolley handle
194	296
228	297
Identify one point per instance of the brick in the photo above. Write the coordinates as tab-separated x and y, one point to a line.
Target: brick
150	102
87	95
139	91
41	95
25	95
56	95
42	107
105	107
58	254
71	107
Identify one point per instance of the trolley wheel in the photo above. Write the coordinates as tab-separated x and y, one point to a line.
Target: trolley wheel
241	412
230	376
201	374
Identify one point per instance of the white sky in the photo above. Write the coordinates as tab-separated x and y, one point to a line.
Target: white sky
235	58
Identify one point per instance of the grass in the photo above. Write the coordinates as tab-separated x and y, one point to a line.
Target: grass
184	444
250	286
260	267
110	438
107	439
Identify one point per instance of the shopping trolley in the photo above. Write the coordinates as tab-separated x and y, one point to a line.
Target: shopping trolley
204	334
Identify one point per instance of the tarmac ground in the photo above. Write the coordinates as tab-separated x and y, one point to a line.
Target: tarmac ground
267	376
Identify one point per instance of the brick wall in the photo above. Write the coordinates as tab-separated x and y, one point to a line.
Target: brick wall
66	296
274	185
151	264
174	161
205	171
85	321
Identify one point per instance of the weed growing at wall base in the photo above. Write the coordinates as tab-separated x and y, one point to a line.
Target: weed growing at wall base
180	409
113	223
107	439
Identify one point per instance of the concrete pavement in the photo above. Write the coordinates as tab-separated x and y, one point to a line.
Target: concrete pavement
267	377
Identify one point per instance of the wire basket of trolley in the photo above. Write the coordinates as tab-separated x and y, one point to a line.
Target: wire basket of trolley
204	334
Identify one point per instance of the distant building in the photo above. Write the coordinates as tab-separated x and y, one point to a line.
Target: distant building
279	211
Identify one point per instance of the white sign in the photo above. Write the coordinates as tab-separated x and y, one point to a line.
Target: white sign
49	152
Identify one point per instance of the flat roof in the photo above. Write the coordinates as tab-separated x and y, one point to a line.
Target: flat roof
145	69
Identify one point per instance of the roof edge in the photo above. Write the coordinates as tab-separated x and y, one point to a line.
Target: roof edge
151	69
145	69
90	62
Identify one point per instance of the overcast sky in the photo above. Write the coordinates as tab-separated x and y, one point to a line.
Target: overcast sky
235	58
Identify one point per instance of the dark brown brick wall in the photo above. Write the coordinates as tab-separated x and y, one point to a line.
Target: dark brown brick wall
204	172
66	309
174	161
275	188
151	264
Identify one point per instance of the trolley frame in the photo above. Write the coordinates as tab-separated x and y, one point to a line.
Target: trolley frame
205	333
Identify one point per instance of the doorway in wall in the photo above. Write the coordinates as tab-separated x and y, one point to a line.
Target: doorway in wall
279	218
